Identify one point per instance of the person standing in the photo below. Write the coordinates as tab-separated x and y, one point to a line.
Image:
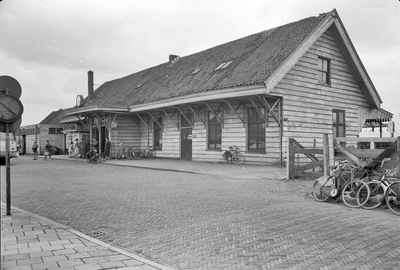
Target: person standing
34	149
71	149
107	148
121	152
95	144
83	148
76	147
47	153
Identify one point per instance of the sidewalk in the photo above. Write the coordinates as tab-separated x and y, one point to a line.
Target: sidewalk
244	171
31	242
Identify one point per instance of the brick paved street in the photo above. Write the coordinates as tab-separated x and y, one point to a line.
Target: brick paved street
194	221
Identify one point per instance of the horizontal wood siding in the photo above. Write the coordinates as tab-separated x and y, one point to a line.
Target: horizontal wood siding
170	138
308	105
127	133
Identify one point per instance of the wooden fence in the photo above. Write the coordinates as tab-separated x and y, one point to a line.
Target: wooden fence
361	151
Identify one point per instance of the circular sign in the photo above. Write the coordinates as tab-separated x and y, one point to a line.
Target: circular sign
12	126
79	100
11	108
10	86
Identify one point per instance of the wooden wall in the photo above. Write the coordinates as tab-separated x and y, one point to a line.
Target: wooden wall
308	105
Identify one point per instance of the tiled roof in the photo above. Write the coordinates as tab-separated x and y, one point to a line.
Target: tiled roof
254	58
54	117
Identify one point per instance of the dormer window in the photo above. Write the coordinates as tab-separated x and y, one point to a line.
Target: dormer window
223	65
324	71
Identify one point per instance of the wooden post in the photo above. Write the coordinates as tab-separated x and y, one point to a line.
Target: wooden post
290	160
326	154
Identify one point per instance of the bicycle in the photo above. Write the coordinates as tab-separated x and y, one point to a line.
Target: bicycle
93	157
233	155
130	153
336	186
147	152
381	191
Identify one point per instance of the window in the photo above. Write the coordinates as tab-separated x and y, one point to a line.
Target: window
255	131
324	71
158	133
214	132
339	123
223	65
55	130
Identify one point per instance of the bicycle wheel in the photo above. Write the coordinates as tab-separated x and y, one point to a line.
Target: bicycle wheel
393	197
150	154
375	198
350	192
237	158
320	191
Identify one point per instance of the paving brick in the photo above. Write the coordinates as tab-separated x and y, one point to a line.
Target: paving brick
5	264
30	261
55	258
21	267
92	266
46	265
70	263
40	254
64	251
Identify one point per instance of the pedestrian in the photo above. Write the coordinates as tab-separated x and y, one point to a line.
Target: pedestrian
34	149
107	147
83	148
47	153
121	152
95	144
76	148
71	149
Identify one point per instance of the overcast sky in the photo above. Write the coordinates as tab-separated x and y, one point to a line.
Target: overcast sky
49	45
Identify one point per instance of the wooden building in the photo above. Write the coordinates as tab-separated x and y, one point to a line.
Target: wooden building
298	80
49	128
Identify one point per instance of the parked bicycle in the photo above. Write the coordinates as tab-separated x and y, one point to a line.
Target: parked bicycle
233	155
336	185
383	190
147	152
93	157
130	153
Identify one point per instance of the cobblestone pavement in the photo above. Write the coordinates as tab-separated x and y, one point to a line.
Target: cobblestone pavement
194	221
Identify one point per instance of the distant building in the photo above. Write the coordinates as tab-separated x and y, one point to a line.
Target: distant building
48	129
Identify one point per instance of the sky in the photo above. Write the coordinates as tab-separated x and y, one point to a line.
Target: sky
48	46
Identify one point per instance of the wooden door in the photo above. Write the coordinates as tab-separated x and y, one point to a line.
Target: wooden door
186	143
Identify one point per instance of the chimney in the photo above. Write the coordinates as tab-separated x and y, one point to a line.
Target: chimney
90	85
173	58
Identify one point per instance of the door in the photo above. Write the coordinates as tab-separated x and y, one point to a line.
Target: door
186	136
186	143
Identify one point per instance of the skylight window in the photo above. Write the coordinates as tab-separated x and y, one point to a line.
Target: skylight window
137	86
195	71
223	65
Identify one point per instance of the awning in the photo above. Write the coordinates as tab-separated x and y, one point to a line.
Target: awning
373	116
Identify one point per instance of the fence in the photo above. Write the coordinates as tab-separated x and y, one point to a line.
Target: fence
361	151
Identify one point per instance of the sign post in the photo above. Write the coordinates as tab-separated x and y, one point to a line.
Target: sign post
11	110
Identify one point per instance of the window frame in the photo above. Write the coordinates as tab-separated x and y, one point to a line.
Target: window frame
260	123
321	71
210	127
336	123
157	141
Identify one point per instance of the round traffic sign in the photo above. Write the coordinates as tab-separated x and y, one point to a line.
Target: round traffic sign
11	108
12	126
10	86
